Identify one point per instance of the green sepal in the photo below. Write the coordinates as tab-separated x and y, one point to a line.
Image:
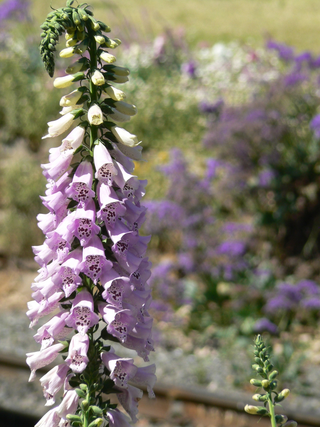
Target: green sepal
83	14
72	417
104	27
96	423
273	375
256	383
76	17
83	387
70	3
96	410
80	393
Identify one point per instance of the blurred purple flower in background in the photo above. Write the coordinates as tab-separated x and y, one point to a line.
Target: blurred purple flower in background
265	325
14	9
189	68
286	53
315	125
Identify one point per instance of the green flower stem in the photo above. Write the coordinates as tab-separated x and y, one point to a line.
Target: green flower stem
271	411
93	89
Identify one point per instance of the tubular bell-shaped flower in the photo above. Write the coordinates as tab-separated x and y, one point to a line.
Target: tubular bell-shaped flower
93	271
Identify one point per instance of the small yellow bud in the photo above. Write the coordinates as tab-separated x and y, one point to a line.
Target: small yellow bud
107	57
285	392
265	383
67	52
69	36
115	93
97	78
250	409
99	39
71	42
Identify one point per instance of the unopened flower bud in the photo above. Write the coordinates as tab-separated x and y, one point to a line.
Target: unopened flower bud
114	93
97	78
290	423
85	404
95	115
280	419
71	42
107	57
96	423
67	52
65	81
260	397
285	392
125	137
119	71
69	36
80	65
256	410
125	108
71	99
273	385
99	39
73	418
265	383
112	43
255	382
273	375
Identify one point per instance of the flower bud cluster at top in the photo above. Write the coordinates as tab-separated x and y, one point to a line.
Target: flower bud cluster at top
270	398
93	269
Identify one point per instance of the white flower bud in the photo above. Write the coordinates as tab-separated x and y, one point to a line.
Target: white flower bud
125	137
97	78
57	127
126	108
67	52
71	99
62	82
114	93
66	110
107	57
116	116
95	115
71	42
99	39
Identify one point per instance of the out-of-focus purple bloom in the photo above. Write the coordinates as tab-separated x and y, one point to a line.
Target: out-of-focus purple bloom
265	325
265	177
231	247
315	125
286	53
278	303
208	108
303	57
189	68
294	78
212	166
315	62
309	287
17	9
311	303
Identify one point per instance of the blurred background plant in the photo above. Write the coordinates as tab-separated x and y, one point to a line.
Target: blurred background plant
231	137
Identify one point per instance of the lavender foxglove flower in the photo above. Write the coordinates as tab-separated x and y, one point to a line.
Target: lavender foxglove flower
93	270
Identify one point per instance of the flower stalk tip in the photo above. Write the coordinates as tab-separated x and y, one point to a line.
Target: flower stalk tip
270	397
